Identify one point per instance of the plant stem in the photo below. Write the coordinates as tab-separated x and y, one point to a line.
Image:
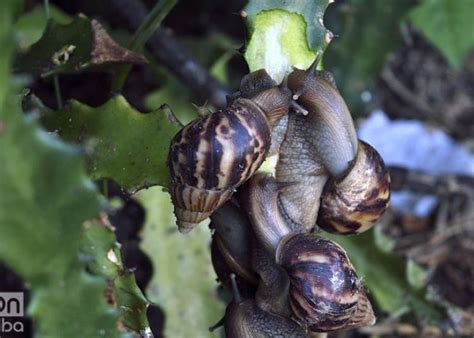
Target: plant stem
142	34
46	8
57	89
105	187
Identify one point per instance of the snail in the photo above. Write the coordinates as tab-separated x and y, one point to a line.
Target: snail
244	319
214	154
325	293
231	247
327	177
235	251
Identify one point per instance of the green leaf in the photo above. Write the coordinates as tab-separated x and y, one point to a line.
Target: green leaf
369	31
74	47
105	260
57	204
7	11
383	241
183	283
73	306
312	11
284	34
416	275
449	25
45	197
177	96
122	143
131	302
30	26
384	275
278	43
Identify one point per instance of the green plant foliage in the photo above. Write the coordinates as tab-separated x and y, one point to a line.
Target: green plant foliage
45	198
449	25
7	10
177	96
73	47
278	43
416	275
122	143
312	11
368	30
100	245
73	306
284	34
183	283
214	52
384	274
30	26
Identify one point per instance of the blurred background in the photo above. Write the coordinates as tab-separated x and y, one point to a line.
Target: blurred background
406	70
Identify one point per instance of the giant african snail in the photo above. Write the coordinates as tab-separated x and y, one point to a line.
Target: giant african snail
214	154
301	277
324	293
321	161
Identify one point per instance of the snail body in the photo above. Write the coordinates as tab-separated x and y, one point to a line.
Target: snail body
329	179
332	132
245	319
231	247
213	155
316	146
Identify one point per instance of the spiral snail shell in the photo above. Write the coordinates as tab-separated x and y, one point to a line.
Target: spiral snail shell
211	156
325	292
354	202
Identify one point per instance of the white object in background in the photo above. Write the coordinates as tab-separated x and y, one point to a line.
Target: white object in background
412	145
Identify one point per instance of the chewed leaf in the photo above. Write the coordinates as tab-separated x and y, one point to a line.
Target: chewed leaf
278	43
73	47
105	260
285	34
312	11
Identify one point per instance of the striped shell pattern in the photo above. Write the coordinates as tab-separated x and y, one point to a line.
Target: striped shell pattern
354	203
212	156
325	292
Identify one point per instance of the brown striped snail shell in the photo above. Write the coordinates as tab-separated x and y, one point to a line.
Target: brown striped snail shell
211	156
325	292
354	202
